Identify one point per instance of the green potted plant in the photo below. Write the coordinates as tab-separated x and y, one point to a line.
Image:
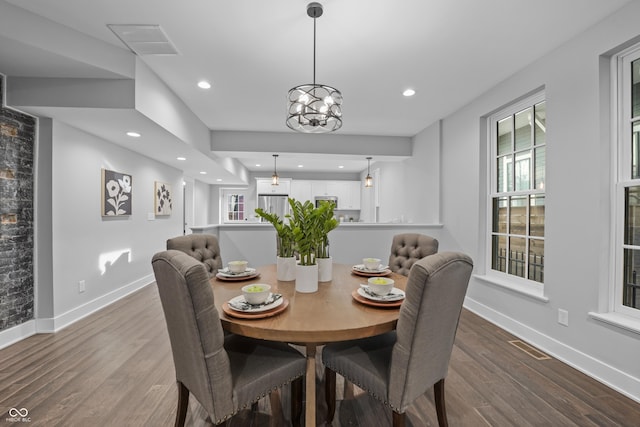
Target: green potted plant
305	222
286	260
327	223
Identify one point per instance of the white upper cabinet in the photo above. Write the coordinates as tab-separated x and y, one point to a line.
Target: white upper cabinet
347	192
263	186
301	191
352	202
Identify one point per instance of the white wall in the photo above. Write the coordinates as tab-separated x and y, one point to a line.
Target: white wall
578	184
422	178
202	203
82	237
409	191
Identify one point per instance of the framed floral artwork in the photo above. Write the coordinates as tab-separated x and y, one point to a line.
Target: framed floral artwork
163	199
116	193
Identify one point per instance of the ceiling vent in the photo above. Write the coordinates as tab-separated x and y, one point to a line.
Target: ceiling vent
144	39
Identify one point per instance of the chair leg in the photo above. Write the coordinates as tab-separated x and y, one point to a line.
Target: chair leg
183	403
398	419
441	410
296	402
330	392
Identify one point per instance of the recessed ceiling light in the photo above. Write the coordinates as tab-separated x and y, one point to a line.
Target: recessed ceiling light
203	173
258	165
219	179
181	158
340	167
203	84
409	92
300	166
133	134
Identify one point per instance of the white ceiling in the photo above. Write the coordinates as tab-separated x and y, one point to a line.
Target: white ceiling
254	51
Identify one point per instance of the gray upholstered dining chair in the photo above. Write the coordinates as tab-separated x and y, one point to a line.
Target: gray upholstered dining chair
203	247
398	367
407	248
225	373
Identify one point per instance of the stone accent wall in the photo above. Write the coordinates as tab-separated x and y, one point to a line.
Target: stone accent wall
17	137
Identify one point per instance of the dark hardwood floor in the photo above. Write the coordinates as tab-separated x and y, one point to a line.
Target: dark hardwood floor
114	368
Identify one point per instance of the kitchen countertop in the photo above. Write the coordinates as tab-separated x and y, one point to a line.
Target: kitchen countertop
259	225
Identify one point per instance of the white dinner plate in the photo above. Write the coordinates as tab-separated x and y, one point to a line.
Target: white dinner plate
227	273
360	267
253	309
395	295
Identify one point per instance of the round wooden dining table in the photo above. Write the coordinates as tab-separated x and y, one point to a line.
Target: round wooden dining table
331	314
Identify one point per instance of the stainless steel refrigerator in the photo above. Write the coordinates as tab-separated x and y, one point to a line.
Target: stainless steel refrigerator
272	203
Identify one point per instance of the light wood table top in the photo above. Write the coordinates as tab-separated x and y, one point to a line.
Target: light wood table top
328	315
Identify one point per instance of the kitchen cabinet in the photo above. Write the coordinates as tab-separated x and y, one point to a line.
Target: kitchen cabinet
347	192
301	190
352	199
319	188
263	186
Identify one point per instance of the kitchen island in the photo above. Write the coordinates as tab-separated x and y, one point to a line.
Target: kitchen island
349	243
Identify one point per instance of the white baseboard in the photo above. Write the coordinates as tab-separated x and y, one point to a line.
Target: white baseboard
54	324
17	333
594	368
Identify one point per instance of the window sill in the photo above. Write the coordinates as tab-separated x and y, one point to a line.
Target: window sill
526	290
622	321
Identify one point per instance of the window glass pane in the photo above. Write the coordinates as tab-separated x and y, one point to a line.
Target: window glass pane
539	167
536	216
523	129
499	253
630	288
635	150
235	207
632	216
518	200
536	260
635	88
500	215
517	250
240	207
523	170
518	215
505	129
540	124
505	174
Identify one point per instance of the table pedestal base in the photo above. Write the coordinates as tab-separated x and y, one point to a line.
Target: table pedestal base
310	380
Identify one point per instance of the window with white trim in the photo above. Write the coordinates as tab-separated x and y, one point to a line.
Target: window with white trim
627	278
516	204
234	205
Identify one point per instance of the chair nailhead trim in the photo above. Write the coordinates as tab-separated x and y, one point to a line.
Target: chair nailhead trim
381	399
257	398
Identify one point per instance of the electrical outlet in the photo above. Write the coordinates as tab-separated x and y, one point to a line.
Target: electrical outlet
563	317
81	286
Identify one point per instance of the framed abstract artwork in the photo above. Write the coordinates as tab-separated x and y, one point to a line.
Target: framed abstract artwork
163	199
116	193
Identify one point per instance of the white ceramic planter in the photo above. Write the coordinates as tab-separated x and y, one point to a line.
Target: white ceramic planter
325	269
286	269
307	278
